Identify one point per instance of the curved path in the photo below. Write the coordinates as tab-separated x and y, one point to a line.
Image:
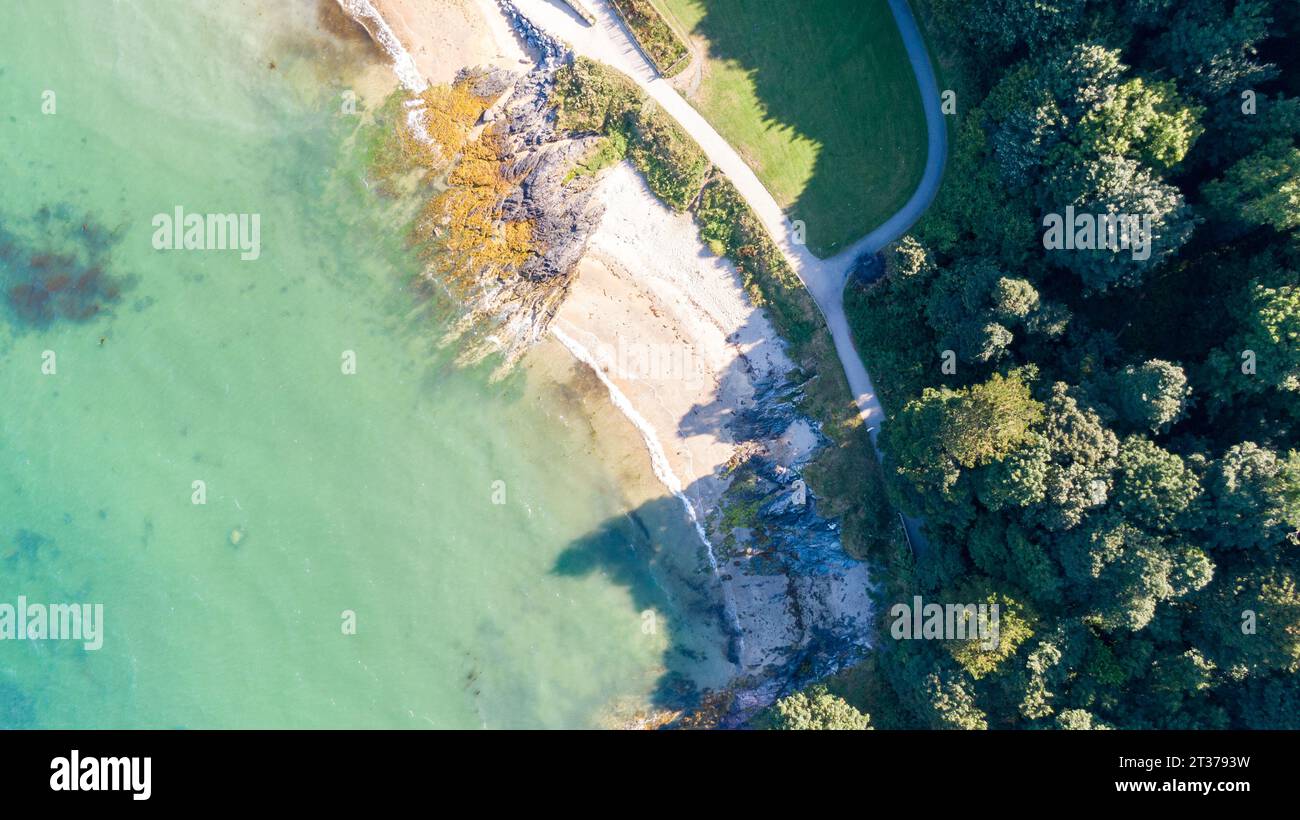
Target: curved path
608	42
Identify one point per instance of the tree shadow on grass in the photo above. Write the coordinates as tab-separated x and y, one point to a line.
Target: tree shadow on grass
835	74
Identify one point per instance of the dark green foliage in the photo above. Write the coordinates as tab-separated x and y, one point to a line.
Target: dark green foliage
592	98
653	33
936	436
816	708
1118	448
1212	45
1151	396
1001	25
1153	487
1252	495
1260	189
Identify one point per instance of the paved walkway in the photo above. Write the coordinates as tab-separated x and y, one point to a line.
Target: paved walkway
608	42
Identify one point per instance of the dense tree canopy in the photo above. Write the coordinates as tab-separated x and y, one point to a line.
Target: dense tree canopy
816	708
1106	443
1260	189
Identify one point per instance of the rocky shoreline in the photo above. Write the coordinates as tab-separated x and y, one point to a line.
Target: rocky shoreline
536	161
796	605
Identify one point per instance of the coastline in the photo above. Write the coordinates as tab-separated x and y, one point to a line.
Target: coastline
697	379
672	329
672	333
429	42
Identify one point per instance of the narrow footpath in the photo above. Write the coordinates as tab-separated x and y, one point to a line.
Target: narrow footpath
608	42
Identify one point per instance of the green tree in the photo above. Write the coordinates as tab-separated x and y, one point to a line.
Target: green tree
1175	689
987	421
1014	626
1151	396
1250	621
1060	115
1043	670
1082	456
945	430
1232	135
1142	120
974	307
1105	508
816	708
1079	720
998	26
1076	130
951	703
1250	498
1013	299
1018	479
1004	549
1153	486
1118	185
1211	46
975	211
1120	573
1260	189
887	329
1263	355
1269	702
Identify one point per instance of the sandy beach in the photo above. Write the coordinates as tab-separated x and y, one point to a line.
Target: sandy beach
438	37
672	329
673	332
659	346
666	321
680	350
444	36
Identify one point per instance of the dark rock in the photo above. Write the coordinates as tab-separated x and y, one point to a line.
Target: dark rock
550	51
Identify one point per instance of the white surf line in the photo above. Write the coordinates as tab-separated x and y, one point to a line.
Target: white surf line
658	458
408	74
372	21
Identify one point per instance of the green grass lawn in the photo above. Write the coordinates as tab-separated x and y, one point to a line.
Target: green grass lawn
819	98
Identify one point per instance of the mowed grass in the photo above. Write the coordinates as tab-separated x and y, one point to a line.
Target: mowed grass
819	98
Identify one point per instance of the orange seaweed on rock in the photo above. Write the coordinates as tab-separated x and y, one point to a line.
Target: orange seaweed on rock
461	229
426	132
500	223
463	226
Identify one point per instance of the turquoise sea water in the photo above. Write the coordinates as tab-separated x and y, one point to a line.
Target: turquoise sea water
370	492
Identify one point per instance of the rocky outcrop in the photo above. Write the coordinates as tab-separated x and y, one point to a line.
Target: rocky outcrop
802	604
798	604
777	573
535	162
550	51
562	213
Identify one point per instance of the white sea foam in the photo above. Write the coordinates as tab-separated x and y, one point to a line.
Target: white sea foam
658	458
403	64
415	121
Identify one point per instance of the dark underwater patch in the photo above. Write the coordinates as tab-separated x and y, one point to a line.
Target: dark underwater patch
56	267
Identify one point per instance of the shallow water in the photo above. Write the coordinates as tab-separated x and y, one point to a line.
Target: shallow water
372	493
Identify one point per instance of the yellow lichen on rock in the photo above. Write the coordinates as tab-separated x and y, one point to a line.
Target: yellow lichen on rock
447	117
496	224
461	230
463	225
430	130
